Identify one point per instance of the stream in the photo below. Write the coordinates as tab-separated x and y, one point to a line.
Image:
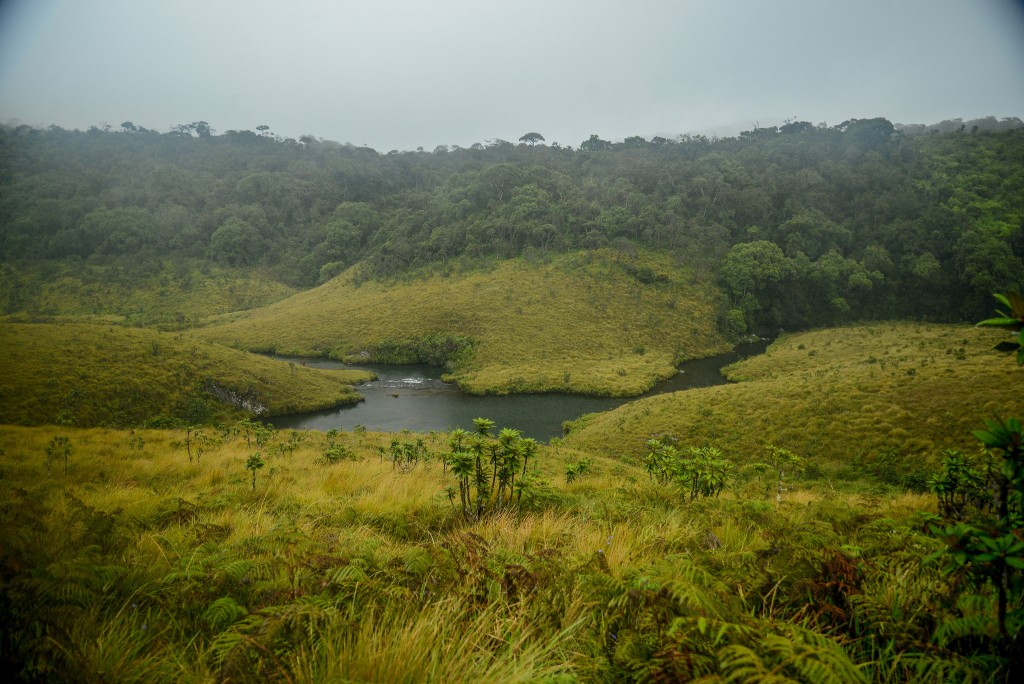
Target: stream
412	397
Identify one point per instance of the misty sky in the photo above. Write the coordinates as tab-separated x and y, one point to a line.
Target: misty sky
399	74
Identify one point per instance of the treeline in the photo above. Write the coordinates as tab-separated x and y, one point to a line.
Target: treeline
807	225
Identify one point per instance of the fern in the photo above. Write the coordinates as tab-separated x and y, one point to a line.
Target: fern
801	656
222	613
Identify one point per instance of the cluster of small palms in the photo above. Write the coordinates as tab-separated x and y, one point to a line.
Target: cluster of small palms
697	471
491	473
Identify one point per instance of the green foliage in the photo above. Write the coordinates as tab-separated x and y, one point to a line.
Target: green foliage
59	449
964	485
335	452
404	456
987	505
698	472
575	471
1012	319
781	461
492	473
254	463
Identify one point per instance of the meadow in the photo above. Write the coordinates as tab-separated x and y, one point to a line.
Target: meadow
586	323
885	396
89	374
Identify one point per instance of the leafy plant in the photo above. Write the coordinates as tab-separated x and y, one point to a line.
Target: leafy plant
576	470
254	463
58	449
1012	319
779	461
697	471
406	455
491	473
990	548
963	485
334	452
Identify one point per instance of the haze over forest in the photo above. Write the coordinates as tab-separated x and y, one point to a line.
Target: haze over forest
405	74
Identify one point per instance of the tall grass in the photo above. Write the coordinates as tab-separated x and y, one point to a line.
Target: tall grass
139	566
878	399
87	374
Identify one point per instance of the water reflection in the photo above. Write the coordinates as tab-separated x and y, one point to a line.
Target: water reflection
414	398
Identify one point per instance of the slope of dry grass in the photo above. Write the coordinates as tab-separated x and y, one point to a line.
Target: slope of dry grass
584	323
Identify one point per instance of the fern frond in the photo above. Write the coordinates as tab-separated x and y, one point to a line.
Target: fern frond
222	613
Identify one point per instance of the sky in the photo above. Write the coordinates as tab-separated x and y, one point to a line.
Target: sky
403	74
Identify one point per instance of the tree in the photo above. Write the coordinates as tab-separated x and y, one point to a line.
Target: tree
254	463
595	144
491	473
532	138
58	449
780	461
236	243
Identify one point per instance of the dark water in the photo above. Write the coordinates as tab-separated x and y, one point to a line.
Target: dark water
424	403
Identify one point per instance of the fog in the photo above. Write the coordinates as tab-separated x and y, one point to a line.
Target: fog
402	74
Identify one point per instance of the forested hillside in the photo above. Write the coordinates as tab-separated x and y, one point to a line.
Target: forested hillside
803	225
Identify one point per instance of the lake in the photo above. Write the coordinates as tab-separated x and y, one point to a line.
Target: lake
414	398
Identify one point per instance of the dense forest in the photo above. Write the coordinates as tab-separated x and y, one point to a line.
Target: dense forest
803	225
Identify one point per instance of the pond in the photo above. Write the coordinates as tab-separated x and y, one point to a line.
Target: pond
414	398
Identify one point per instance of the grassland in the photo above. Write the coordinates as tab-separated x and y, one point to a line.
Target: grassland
169	297
891	394
136	565
584	323
88	374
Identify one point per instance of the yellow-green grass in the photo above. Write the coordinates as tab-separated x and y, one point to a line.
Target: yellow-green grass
581	324
833	396
142	566
169	297
90	374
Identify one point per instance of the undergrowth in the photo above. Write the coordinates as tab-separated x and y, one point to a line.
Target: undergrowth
138	564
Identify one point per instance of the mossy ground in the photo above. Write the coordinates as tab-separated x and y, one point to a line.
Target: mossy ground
583	323
89	374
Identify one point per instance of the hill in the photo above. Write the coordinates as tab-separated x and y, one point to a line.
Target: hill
803	225
149	293
593	323
887	395
88	374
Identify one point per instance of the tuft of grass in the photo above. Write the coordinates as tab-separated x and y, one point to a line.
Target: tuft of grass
573	325
88	374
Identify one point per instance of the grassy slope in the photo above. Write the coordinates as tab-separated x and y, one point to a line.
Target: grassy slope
357	572
107	374
171	297
833	395
580	324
